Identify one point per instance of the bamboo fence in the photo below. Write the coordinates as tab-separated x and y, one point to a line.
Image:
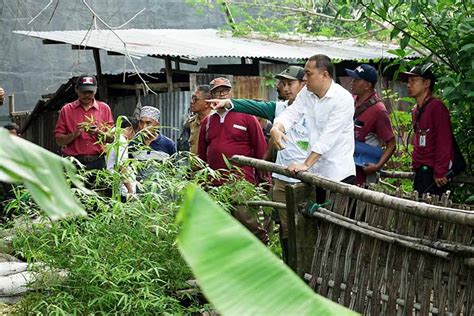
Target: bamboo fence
379	254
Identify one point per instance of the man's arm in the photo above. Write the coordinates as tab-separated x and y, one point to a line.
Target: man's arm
66	139
202	144
252	107
306	165
387	153
444	143
258	108
289	117
384	131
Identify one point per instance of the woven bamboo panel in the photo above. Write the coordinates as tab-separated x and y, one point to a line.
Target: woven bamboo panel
379	261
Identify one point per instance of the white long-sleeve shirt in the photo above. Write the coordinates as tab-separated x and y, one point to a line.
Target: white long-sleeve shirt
293	152
331	129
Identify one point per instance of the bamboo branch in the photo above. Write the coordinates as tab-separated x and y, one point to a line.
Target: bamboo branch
446	214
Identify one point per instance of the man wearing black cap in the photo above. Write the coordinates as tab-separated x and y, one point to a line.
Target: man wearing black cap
371	124
81	122
433	149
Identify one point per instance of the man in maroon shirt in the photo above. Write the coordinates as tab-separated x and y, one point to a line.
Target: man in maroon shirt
371	121
433	146
81	122
231	133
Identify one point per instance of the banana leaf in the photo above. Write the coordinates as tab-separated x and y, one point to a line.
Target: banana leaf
42	173
235	271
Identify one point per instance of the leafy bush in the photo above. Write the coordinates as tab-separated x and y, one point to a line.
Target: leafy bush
121	258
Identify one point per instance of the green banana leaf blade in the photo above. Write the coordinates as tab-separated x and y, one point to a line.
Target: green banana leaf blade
42	173
236	272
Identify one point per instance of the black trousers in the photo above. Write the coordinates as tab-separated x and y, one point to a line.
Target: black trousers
424	182
321	193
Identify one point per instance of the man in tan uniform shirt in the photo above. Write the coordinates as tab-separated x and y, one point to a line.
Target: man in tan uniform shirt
201	110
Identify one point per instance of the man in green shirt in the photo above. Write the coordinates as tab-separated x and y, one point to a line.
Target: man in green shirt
290	84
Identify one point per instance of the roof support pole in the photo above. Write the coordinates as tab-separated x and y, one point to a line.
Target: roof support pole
169	74
101	82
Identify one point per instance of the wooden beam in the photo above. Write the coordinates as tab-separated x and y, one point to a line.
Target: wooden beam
101	81
169	74
51	42
273	61
152	86
82	47
175	59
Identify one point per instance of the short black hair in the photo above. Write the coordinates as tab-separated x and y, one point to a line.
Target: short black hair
12	126
205	90
129	121
324	63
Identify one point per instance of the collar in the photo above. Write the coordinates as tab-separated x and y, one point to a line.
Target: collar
331	91
77	104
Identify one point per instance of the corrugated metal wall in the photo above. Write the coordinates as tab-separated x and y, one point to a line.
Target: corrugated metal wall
41	130
173	106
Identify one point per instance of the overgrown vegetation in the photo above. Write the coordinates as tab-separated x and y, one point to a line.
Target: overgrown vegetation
121	258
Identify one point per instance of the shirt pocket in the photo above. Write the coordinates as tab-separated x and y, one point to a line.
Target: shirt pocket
238	132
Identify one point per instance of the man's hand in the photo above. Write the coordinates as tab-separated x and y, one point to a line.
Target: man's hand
278	136
149	134
296	167
441	181
220	105
370	168
2	95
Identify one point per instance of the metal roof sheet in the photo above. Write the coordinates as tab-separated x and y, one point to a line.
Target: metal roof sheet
205	43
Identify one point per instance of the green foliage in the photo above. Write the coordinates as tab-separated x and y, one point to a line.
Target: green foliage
238	259
121	258
42	173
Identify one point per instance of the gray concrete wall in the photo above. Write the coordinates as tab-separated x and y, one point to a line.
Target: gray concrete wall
29	69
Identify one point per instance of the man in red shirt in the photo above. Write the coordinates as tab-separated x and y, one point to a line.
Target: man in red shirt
81	122
433	150
371	121
232	133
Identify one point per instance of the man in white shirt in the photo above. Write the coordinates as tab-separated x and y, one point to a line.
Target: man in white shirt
329	109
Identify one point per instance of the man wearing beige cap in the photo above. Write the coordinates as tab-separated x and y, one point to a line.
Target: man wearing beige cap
229	133
290	84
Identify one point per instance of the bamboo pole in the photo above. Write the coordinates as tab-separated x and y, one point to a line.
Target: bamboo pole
266	204
451	247
379	236
411	175
446	214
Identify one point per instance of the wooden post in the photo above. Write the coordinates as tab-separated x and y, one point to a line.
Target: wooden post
101	82
11	104
296	259
169	74
176	64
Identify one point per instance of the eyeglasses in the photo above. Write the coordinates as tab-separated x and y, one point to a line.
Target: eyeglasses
220	93
195	98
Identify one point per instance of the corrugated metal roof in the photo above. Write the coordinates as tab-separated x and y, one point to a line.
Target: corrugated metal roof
205	43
